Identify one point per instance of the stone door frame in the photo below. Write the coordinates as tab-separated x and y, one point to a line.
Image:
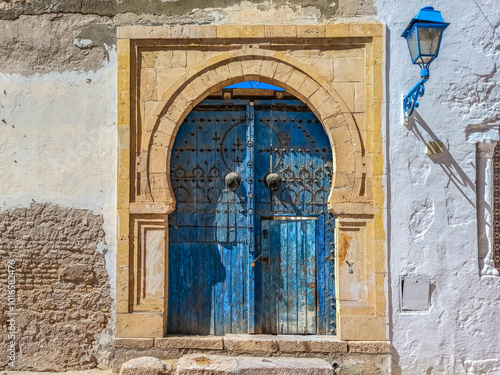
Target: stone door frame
154	99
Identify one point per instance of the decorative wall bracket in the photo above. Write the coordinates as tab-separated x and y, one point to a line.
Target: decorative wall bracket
410	101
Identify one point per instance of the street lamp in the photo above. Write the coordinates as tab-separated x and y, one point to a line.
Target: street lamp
423	35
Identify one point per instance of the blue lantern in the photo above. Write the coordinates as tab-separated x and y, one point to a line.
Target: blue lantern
423	35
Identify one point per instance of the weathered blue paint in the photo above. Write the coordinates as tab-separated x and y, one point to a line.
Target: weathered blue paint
225	276
289	276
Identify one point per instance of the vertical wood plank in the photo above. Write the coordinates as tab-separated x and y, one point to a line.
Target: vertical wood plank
211	299
292	279
310	244
283	287
195	287
266	280
236	289
227	261
183	290
205	273
301	276
275	247
321	272
219	293
191	269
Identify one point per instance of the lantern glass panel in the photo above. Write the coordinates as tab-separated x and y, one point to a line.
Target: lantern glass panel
429	38
413	44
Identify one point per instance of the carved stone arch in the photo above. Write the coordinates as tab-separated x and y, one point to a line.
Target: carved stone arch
296	78
342	84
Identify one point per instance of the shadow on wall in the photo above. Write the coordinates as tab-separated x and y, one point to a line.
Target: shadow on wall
445	160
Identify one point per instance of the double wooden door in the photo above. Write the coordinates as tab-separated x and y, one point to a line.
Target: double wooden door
244	257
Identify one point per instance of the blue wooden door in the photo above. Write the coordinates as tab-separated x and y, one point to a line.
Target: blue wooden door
218	280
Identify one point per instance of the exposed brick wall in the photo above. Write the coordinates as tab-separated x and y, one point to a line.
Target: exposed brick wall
63	295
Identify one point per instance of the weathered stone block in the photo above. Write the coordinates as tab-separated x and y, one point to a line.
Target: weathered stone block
284	366
190	342
337	30
289	31
141	343
252	31
283	72
360	96
250	343
268	68
311	31
296	79
206	31
194	364
139	325
251	68
197	364
362	328
366	29
349	69
228	31
309	344
308	87
145	366
347	93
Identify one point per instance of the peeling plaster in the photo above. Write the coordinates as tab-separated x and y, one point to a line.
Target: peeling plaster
110	8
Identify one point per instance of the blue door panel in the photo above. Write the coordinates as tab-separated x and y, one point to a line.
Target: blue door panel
224	276
290	276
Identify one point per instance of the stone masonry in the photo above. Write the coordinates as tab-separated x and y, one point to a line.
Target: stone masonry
63	297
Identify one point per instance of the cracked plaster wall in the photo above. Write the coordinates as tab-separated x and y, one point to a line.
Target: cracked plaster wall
58	144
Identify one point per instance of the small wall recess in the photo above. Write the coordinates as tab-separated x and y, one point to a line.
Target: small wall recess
415	293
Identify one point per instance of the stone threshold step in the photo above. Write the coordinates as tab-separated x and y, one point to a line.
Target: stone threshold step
197	364
255	343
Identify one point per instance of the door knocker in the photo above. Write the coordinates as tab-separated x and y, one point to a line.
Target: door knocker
232	181
272	181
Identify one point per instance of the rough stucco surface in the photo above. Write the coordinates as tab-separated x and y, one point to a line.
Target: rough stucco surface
13	9
55	46
432	227
45	35
63	297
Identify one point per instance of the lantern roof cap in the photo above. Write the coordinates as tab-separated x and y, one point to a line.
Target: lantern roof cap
426	15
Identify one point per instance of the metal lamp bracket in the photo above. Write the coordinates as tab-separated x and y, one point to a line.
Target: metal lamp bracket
410	101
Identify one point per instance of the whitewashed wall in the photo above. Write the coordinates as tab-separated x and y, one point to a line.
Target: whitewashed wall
432	228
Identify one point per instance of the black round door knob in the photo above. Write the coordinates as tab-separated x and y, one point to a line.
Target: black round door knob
233	181
272	181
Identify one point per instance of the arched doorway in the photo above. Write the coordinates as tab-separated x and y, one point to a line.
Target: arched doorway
251	239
